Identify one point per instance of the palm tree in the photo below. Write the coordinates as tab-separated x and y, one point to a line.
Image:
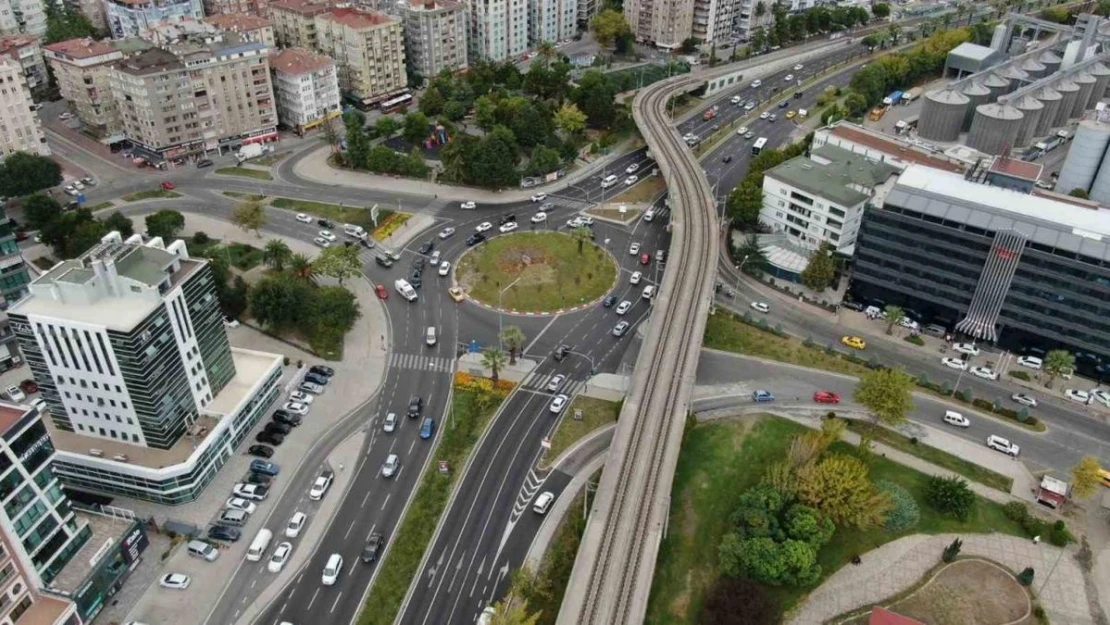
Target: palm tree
276	254
581	235
1056	363
514	338
894	314
301	266
494	359
546	51
753	260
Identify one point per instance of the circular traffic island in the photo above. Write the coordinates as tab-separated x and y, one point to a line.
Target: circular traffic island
536	272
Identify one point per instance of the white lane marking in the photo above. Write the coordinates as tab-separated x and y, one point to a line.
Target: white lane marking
337	597
386	500
313	600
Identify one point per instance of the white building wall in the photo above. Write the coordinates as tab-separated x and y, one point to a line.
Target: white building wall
185	338
499	29
22	16
125	20
809	226
20	129
552	20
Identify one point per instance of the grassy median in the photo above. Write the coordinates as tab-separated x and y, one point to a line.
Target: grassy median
595	413
150	194
245	172
338	213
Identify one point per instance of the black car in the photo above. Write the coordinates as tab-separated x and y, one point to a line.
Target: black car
270	438
322	380
608	302
507	218
857	306
383	261
202	163
416	406
280	428
561	352
784	104
373	548
259	478
427	248
322	370
475	239
324	223
291	420
261	451
416	279
797	94
224	533
727	159
419	263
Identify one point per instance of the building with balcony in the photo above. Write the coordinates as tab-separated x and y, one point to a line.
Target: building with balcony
259	8
130	18
664	23
20	127
14	281
306	87
498	29
25	50
748	15
26	17
713	21
250	27
435	36
551	21
295	21
369	52
81	70
92	9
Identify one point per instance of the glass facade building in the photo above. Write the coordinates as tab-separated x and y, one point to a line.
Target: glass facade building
13	286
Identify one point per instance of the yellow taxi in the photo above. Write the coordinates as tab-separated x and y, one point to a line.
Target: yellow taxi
854	342
790	114
456	293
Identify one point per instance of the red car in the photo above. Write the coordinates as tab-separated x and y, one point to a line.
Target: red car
826	397
382	292
29	387
168	186
645	258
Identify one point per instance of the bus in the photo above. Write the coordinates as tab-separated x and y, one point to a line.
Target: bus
758	146
393	104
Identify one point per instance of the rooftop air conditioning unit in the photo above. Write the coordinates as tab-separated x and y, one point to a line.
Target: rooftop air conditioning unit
99	453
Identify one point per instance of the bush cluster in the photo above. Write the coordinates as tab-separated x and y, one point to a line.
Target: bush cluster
1056	533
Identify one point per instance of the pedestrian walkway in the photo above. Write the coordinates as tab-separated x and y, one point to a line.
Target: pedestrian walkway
420	362
898	565
539	381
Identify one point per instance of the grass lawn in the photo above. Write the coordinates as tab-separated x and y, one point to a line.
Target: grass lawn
727	332
548	271
250	197
459	434
150	195
100	206
595	413
643	192
340	214
245	172
970	470
269	159
239	255
627	217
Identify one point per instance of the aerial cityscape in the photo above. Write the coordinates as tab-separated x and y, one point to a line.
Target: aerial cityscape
554	312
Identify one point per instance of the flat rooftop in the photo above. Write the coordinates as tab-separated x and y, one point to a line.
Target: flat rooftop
889	145
10	414
104	529
46	610
250	368
831	180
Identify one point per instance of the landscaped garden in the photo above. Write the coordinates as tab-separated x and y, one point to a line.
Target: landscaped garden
337	213
537	271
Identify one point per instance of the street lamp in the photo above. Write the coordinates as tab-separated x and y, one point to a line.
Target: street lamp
740	272
501	311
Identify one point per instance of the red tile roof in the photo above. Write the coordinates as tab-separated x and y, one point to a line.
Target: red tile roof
239	22
1017	169
882	616
81	48
357	18
894	148
10	414
298	61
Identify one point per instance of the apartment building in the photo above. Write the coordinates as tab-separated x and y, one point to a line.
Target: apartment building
306	86
261	8
81	70
435	36
664	23
713	21
147	398
748	15
129	18
22	16
20	127
498	29
587	9
250	27
20	600
369	52
14	282
92	9
551	21
295	21
25	50
194	97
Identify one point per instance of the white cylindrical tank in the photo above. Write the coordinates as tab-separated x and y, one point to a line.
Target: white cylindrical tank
1086	84
997	84
995	128
1031	108
942	114
1016	77
1069	91
1051	62
1085	155
1051	99
1102	81
1033	68
976	94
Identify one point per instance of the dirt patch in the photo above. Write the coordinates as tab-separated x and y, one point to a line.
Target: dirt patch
968	592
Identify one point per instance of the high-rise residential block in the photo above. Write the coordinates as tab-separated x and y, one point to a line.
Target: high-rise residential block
147	398
713	21
498	29
435	36
14	282
749	15
25	50
129	18
20	127
664	23
22	16
306	87
369	52
81	70
551	21
295	21
250	27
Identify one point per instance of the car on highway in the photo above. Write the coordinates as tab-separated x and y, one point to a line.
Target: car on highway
764	115
270	438
556	383
558	404
324	223
854	342
508	227
620	329
1031	362
984	372
772	117
280	557
301	397
373	548
321	242
966	348
1024	400
826	397
1101	396
253	492
788	78
327	234
1004	445
389	424
475	239
749	136
543	502
645	258
547	207
304	219
749	105
168	185
383	261
456	293
951	417
426	248
1077	395
468	206
321	485
633	168
539	197
798	67
260	451
224	533
560	353
624	307
444	268
609	301
635	277
631	180
648	292
416	406
575	222
447	232
756	84
295	408
265	468
485	226
428	428
736	100
742	131
383	293
791	114
954	363
174	581
761	307
332	569
762	395
391	465
238	503
295	525
539	218
634	249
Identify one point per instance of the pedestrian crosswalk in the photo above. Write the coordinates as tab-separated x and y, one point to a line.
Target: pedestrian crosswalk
420	362
539	382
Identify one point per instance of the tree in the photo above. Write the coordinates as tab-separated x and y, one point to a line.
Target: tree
432	103
63	24
581	235
1079	192
689	45
301	266
595	96
744	203
791	562
514	337
607	26
165	223
856	104
330	311
416	128
740	602
952	550
279	301
276	254
40	210
570	119
950	495
894	314
820	270
120	223
1086	477
880	10
358	144
838	487
338	261
494	359
386	126
249	215
513	612
904	513
1057	362
544	160
887	394
22	174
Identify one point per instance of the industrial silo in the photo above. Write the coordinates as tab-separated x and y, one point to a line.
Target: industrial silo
1051	62
942	114
1051	99
995	128
1033	68
1031	108
1016	77
1086	84
1069	91
1102	80
1085	156
997	84
976	94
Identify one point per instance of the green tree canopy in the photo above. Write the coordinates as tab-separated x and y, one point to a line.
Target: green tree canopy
166	223
22	173
887	394
249	216
339	262
494	359
276	254
1086	477
120	223
279	301
595	96
40	210
417	128
880	10
837	486
1058	362
65	23
607	26
821	269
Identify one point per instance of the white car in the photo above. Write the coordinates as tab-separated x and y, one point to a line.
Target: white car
446	232
392	465
254	492
749	106
311	387
624	307
634	249
558	404
556	383
952	417
756	84
761	307
575	222
764	115
296	407
1101	396
539	197
1004	445
280	557
633	168
1032	362
984	372
543	502
788	78
327	234
238	503
1025	400
332	569
1077	395
304	219
586	220
635	277
15	394
321	242
906	322
742	131
321	485
966	348
70	190
78	185
174	581
798	67
390	423
631	180
296	524
954	363
539	218
66	115
508	227
736	100
444	268
484	226
301	397
468	206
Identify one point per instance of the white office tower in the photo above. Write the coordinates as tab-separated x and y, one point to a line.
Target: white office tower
498	29
664	23
551	21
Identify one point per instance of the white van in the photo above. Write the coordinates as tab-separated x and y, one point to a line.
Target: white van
354	231
259	544
649	215
608	181
332	569
430	336
202	550
405	289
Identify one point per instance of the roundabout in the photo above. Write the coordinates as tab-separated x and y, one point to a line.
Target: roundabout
536	272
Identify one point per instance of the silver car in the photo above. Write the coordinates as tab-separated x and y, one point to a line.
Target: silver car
392	466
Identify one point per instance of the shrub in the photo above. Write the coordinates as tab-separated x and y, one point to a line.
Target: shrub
923	380
951	496
952	550
915	339
1025	578
982	403
1009	413
903	513
1023	415
1015	511
808	342
965	396
778	329
1020	375
946	388
200	238
1031	421
1059	535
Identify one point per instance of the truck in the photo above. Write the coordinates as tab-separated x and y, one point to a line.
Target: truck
251	150
710	114
892	99
1049	144
911	95
877	113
